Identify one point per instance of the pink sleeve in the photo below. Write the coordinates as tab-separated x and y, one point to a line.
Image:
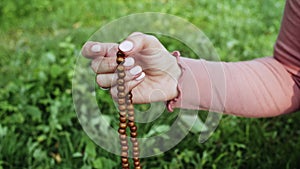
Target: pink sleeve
259	88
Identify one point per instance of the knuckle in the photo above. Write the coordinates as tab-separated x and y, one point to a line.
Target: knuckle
103	65
94	66
112	50
100	81
136	33
110	65
152	38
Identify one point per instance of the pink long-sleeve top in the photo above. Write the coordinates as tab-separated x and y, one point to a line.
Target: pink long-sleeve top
262	87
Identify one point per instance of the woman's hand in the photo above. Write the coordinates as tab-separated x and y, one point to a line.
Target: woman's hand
151	71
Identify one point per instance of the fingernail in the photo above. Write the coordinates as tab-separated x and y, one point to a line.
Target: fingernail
126	46
96	48
136	70
129	61
140	77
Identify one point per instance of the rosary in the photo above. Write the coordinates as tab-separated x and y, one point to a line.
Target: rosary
126	111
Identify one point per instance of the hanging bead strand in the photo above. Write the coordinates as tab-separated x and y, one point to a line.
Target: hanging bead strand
126	111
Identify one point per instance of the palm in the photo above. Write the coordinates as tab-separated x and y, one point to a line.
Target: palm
158	85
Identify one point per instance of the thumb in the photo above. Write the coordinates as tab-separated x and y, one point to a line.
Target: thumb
136	42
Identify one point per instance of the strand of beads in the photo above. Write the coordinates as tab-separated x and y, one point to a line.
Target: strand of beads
126	110
133	132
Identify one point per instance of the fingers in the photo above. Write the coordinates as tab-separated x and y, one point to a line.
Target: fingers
108	80
133	44
104	65
109	65
95	49
129	85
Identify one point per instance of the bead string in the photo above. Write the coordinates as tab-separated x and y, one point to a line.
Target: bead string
126	117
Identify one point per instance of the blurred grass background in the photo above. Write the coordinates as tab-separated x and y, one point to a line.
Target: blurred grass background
40	40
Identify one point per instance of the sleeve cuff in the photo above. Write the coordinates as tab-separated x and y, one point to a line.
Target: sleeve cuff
171	103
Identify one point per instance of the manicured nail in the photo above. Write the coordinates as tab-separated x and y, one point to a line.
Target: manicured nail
135	70
96	48
140	77
126	46
129	61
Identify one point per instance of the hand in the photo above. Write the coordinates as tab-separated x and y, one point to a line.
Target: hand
151	71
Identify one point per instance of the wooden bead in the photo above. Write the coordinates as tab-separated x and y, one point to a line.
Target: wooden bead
135	159
125	165
122	136
138	167
133	139
120	60
120	54
124	148
136	163
120	68
130	107
136	154
131	118
121	101
121	89
131	113
124	142
129	95
124	160
122	107
133	128
130	123
121	94
135	149
123	125
121	74
133	134
123	114
122	131
122	119
135	144
124	154
128	102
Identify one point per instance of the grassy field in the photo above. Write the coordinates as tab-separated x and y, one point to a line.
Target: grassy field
40	41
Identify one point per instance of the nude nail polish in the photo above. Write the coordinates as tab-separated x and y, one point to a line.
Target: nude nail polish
96	48
135	70
129	61
126	46
140	77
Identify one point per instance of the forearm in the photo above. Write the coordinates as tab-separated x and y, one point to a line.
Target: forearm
258	88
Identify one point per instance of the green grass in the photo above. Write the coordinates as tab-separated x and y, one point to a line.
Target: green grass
39	44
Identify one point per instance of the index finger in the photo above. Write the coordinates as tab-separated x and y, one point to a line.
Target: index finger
92	49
